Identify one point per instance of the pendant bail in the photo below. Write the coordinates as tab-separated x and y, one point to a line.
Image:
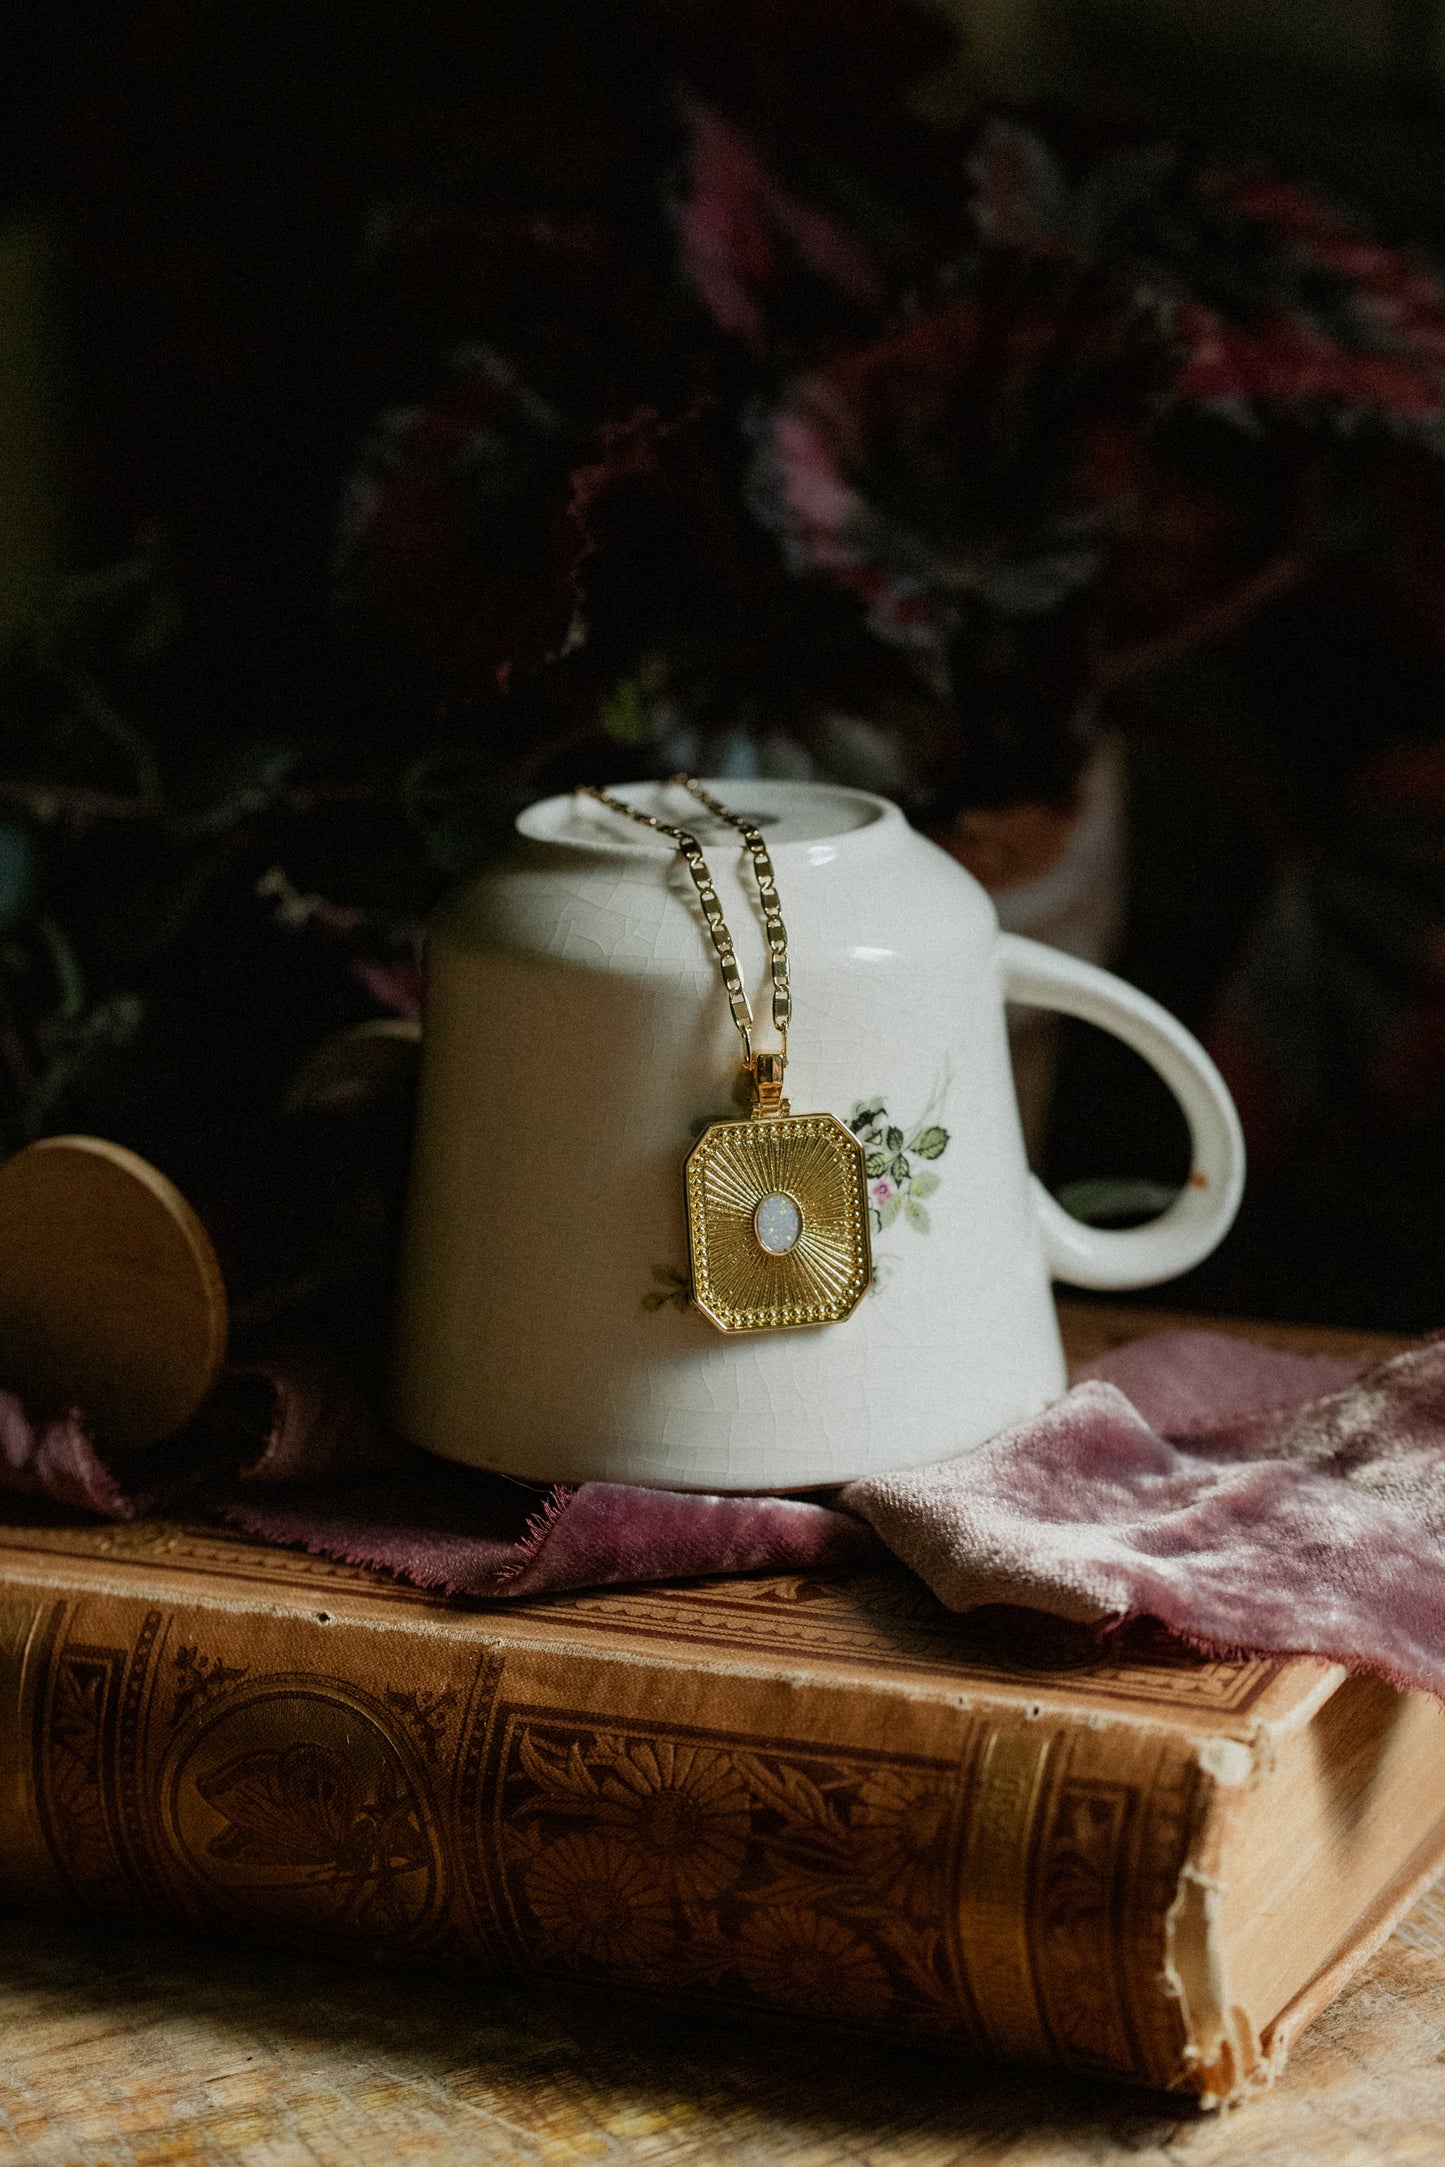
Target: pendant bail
765	1073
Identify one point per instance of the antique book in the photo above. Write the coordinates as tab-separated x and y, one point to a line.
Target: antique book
827	1799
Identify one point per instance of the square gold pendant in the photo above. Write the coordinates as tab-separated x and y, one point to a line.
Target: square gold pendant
777	1223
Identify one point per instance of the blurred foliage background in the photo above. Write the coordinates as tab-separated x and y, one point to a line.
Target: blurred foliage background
265	273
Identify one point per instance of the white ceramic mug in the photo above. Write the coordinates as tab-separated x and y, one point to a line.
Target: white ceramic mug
578	1038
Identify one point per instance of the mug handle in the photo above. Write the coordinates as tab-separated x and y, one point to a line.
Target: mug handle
1202	1213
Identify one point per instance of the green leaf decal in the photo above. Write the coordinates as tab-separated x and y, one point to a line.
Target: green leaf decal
887	1158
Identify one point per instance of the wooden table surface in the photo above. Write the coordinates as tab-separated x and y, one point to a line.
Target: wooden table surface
154	2050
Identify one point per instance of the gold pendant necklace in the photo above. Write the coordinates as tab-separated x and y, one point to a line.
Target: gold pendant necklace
777	1205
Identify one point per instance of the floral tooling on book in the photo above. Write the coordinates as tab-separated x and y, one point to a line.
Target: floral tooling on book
814	1882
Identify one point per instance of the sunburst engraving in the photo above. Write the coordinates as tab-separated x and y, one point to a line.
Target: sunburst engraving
739	1176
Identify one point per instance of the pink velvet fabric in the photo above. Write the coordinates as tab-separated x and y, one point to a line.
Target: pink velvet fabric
471	1534
1244	1498
1278	1519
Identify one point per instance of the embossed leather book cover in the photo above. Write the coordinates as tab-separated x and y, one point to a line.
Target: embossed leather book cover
824	1799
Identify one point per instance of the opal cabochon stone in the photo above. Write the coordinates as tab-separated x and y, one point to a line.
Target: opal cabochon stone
779	1223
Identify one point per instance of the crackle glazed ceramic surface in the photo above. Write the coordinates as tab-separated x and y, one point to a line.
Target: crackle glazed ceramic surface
577	1043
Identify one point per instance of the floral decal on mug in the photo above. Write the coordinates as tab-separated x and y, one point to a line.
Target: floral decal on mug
899	1177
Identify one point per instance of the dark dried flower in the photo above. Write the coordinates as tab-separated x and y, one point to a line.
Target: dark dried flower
759	257
1284	307
985	447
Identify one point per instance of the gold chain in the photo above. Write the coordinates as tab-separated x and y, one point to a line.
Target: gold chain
722	939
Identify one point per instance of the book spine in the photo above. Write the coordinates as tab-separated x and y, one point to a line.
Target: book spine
985	1876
